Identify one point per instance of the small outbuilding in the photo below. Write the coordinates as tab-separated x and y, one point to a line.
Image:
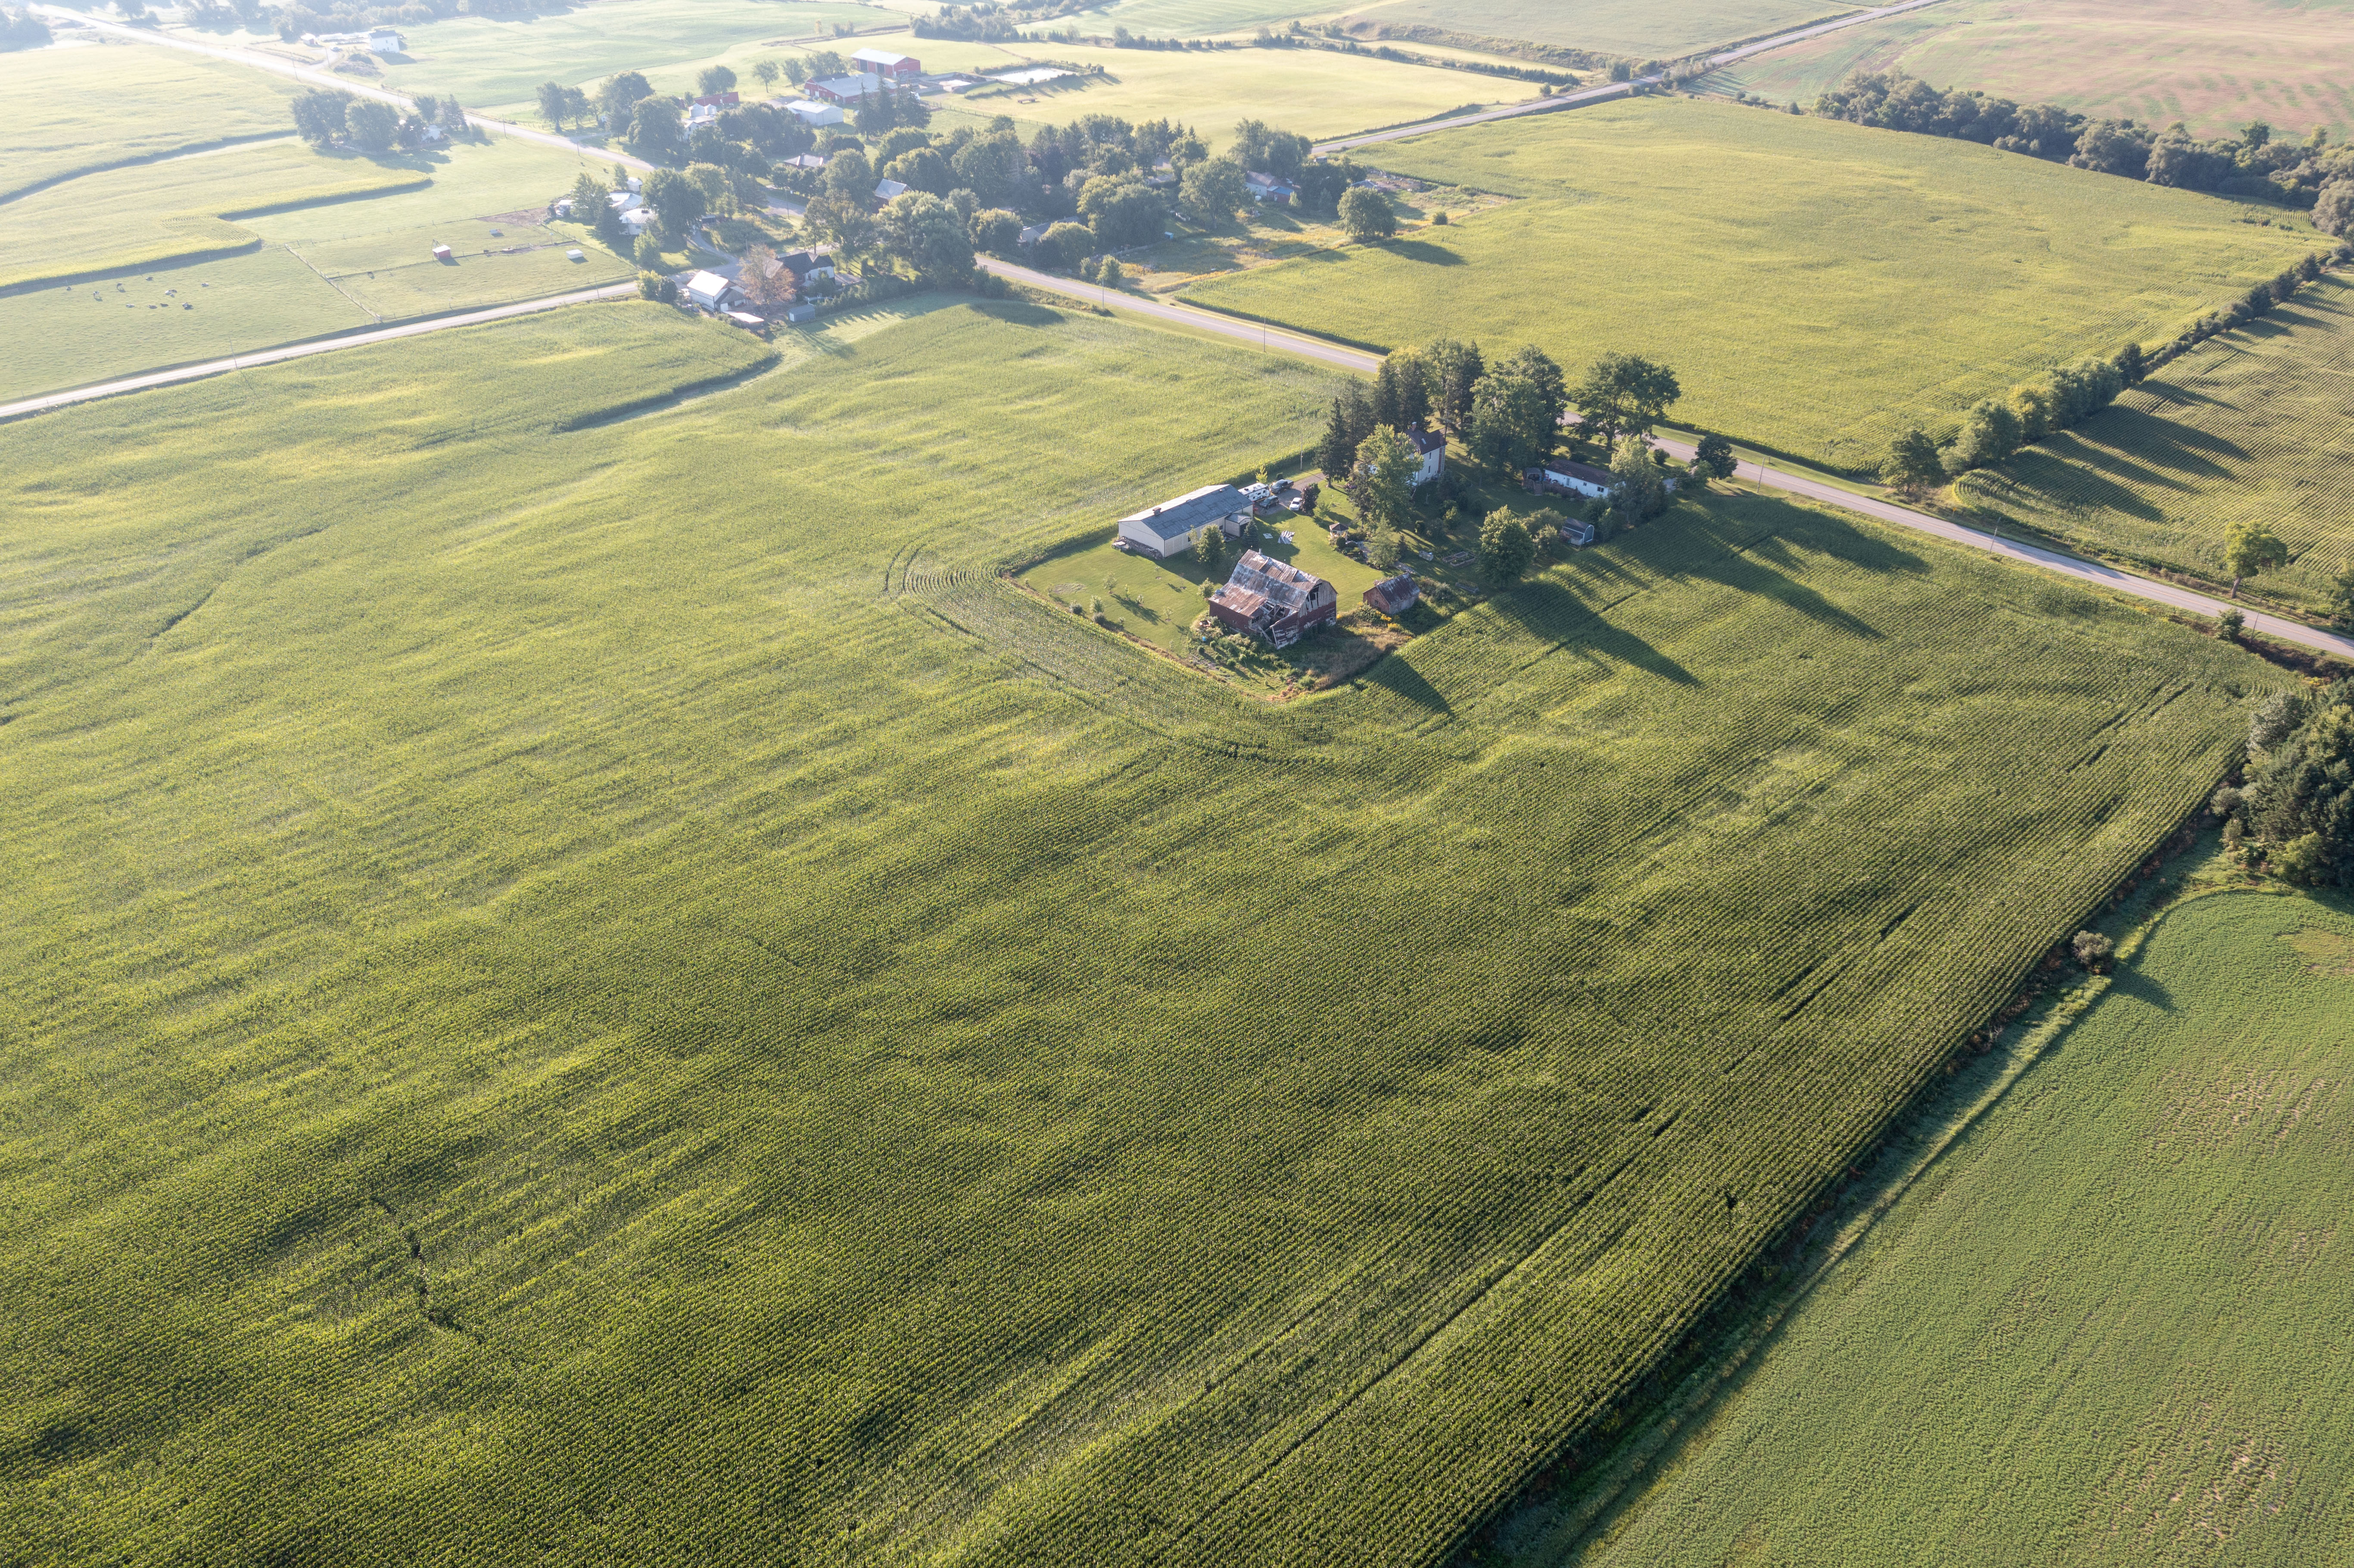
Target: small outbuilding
441	253
816	115
1170	528
747	320
1394	596
886	189
706	289
1572	478
1275	601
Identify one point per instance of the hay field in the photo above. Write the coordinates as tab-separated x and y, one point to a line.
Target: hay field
83	107
1638	28
1816	285
1314	93
489	61
2214	64
2249	426
594	988
2107	1326
287	274
151	214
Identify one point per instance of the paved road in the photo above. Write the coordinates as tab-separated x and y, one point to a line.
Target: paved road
1780	39
1614	89
320	78
2095	573
304	350
1532	106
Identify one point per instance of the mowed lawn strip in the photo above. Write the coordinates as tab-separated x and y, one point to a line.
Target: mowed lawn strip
2250	425
565	958
1815	285
2214	64
2110	1313
88	106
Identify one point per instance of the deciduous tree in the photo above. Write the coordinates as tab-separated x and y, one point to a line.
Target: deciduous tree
1366	215
1913	462
676	201
925	232
2250	549
997	231
319	115
1640	493
1212	190
2341	600
1714	457
656	133
1624	394
712	81
1381	478
619	96
1506	547
371	125
1455	369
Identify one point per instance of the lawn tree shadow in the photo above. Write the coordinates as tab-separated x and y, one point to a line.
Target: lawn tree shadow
1423	250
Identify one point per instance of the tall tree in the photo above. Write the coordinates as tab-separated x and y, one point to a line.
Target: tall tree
714	81
1913	462
1625	394
656	133
1714	459
2250	549
1514	425
677	201
1381	479
765	280
619	96
1366	215
926	232
1455	369
319	115
766	70
1639	494
1990	433
1506	548
371	125
1212	190
553	104
1401	391
1336	452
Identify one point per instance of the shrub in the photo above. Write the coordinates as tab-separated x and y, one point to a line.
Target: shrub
2094	950
1506	547
655	287
2230	624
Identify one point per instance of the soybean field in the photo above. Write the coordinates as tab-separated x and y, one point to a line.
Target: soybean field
2250	426
588	984
1815	285
2107	1322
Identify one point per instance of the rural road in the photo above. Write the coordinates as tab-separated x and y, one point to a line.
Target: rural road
1614	89
2095	573
304	350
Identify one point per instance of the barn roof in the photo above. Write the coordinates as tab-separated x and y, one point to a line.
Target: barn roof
1258	580
1185	515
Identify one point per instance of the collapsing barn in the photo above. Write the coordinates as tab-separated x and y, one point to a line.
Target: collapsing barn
1273	600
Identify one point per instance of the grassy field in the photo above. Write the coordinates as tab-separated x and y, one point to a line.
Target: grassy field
2212	64
595	987
86	106
2107	1325
1815	285
1632	27
296	273
1317	94
2251	425
152	214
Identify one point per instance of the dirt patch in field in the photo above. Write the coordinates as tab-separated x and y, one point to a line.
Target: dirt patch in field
2268	1102
2324	952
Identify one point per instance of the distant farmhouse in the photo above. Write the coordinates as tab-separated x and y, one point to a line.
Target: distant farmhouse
1267	188
1274	600
1170	528
1574	478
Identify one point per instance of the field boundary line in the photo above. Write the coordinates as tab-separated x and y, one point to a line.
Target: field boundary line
192	150
376	316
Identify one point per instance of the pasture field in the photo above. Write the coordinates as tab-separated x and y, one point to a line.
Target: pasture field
494	62
61	337
82	107
1637	28
1314	93
2108	1324
2214	64
294	273
1815	285
2250	426
151	214
593	986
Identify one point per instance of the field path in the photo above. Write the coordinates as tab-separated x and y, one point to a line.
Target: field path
42	405
2092	572
327	79
1617	89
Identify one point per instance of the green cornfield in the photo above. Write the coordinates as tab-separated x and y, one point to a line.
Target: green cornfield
588	984
1815	285
2248	427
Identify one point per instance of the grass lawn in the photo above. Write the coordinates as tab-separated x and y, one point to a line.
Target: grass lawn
154	213
1314	93
2249	424
78	107
591	985
1815	285
2108	1323
1279	234
478	274
2214	64
1637	28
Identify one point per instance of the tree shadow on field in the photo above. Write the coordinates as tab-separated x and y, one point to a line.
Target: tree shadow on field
1400	677
1424	251
1544	608
2133	982
1848	546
